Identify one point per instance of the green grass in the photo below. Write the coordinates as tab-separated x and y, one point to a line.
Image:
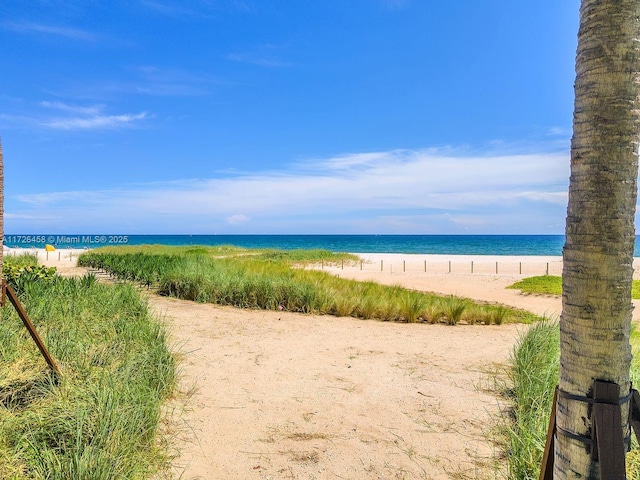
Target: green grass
279	280
552	285
26	260
541	285
532	380
99	420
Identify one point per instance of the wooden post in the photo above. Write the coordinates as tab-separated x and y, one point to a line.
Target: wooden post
607	433
546	472
496	268
449	266
360	264
58	255
381	263
607	438
13	298
547	268
471	266
520	268
342	264
425	266
404	266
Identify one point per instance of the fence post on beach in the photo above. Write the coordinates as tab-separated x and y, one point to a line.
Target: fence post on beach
520	268
547	268
47	254
381	263
342	264
404	265
449	266
58	255
471	266
496	268
360	264
425	266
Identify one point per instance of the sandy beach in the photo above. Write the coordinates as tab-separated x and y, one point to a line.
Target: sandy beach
277	395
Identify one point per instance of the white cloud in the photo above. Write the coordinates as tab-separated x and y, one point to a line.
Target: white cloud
74	117
372	192
30	27
267	55
237	219
77	109
94	122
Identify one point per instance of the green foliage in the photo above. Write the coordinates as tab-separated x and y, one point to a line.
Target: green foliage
552	285
20	277
274	280
532	380
452	308
99	419
21	260
541	285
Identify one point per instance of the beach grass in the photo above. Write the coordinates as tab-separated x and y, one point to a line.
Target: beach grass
25	260
99	419
280	280
552	285
529	387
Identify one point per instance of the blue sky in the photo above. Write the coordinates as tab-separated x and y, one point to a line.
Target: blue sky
286	116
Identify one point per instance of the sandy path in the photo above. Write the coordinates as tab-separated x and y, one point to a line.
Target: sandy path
309	397
280	395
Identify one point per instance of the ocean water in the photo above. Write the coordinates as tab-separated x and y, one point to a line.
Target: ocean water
417	244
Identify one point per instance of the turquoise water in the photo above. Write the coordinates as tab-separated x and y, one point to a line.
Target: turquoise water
418	244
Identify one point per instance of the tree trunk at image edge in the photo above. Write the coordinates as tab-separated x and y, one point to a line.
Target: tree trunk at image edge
598	253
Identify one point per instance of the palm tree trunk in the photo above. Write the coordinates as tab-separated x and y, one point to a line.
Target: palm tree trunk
600	236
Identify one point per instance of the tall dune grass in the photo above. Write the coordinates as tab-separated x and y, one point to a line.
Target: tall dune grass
273	280
99	419
531	383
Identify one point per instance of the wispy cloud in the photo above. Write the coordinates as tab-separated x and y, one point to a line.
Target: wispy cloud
67	116
198	8
267	55
77	109
40	28
371	192
95	122
88	118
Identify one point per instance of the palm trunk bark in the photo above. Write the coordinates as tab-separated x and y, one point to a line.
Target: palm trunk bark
600	236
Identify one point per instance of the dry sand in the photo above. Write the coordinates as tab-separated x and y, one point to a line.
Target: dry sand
276	395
